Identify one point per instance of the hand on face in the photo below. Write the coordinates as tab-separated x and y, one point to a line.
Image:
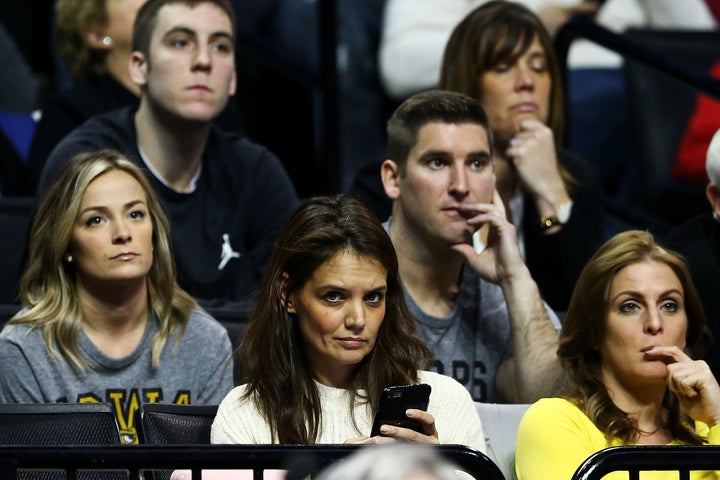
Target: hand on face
693	383
391	434
554	15
532	152
501	259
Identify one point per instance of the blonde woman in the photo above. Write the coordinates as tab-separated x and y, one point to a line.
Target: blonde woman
103	318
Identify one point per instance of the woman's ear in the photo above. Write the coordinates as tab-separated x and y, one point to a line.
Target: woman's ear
98	39
283	292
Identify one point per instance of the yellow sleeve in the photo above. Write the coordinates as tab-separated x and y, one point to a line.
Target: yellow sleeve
712	434
554	438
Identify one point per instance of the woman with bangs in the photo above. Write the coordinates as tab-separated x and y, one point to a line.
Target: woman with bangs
502	55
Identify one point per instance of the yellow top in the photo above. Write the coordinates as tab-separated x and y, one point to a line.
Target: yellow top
555	437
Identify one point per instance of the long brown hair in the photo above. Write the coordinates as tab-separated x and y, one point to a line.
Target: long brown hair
48	293
501	32
584	328
272	356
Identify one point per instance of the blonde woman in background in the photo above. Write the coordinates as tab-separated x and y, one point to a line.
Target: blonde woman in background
103	319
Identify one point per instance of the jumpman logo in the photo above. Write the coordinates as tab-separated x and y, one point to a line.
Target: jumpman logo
227	252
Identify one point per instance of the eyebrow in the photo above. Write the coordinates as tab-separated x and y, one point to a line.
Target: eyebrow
103	208
330	286
635	293
193	33
437	152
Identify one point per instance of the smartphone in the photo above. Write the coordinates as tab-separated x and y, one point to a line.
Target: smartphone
393	403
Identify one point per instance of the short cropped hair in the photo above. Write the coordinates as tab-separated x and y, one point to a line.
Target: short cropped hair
146	20
429	107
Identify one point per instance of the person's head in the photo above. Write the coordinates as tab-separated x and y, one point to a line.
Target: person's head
87	31
439	156
392	462
712	167
331	308
502	55
333	286
99	229
184	56
632	295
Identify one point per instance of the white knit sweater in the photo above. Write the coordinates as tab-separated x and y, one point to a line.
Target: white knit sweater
456	419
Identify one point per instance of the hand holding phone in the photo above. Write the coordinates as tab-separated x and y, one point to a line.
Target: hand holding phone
393	403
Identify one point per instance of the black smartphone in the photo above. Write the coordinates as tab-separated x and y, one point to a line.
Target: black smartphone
393	403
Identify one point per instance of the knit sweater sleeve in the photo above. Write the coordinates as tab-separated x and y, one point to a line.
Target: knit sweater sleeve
239	421
456	417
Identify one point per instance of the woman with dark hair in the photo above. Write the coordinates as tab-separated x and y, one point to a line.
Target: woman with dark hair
330	331
501	55
634	324
103	318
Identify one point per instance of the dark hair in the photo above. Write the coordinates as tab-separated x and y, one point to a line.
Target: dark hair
584	328
146	20
493	33
427	107
272	355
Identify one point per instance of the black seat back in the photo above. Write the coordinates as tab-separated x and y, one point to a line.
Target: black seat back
164	423
60	424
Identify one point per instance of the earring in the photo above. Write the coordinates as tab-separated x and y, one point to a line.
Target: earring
106	40
69	258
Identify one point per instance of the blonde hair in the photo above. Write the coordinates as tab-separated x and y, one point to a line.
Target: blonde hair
48	292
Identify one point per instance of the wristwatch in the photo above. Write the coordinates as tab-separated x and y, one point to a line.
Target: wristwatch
561	216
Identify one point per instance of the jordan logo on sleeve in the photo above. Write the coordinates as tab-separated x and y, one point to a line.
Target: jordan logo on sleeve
227	252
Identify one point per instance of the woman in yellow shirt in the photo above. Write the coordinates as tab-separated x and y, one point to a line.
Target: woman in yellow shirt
634	323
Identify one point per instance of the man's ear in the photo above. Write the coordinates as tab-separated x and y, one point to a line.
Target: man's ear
390	175
137	66
712	192
233	84
283	292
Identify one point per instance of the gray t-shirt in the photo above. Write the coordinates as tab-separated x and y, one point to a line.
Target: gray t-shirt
198	371
470	343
